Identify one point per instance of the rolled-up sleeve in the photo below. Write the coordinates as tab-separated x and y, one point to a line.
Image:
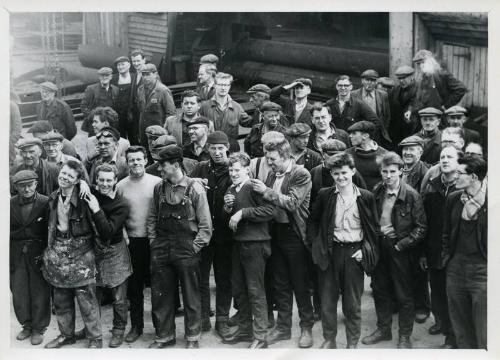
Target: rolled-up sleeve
152	218
203	217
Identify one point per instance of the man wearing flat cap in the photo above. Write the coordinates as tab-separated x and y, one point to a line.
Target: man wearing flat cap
178	227
259	94
456	117
386	84
101	94
296	107
377	100
43	127
159	144
209	59
436	87
198	132
123	105
414	169
298	137
30	150
56	111
270	122
28	239
430	119
154	101
52	144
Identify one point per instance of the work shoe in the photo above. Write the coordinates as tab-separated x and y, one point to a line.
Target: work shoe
237	336
435	329
404	342
305	340
206	325
116	340
162	345
421	317
276	335
133	334
24	334
60	341
192	344
222	329
329	344
258	344
80	334
94	344
376	337
233	320
36	338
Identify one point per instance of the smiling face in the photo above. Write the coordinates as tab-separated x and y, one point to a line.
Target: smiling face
238	173
136	163
123	67
411	154
138	61
53	148
197	132
390	175
106	181
271	118
344	87
342	176
218	153
67	178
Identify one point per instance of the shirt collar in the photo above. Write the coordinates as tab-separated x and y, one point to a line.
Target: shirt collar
288	169
182	183
238	187
355	188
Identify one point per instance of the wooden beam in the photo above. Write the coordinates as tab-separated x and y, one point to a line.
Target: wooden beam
458	33
467	18
460	40
400	40
171	25
456	26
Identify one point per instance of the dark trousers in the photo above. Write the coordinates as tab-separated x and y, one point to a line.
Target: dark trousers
290	277
133	129
140	258
421	295
64	304
466	284
314	284
120	308
344	276
393	271
439	303
220	255
30	293
248	279
165	276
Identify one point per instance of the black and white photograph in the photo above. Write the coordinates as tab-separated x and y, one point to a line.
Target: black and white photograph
248	180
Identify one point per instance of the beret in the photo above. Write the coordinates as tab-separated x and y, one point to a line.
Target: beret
151	68
155	130
430	111
47	85
298	129
41	126
457	109
52	136
217	137
412	140
422	55
304	81
404	71
386	81
25	142
170	152
201	120
272	136
105	71
209	59
259	88
108	131
270	106
369	74
121	59
24	176
333	145
163	141
363	126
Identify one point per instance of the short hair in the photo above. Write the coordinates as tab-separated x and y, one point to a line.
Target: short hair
137	52
460	153
339	160
282	147
333	145
474	144
223	76
134	149
107	114
318	106
474	165
343	77
77	166
239	157
454	131
210	69
390	158
106	168
190	93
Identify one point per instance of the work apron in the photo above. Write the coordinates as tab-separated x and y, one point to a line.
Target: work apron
113	264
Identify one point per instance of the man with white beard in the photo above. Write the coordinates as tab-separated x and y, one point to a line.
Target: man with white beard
436	87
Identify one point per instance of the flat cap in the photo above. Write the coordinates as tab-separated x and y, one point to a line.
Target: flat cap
333	145
201	120
217	137
155	130
121	59
209	59
457	109
298	129
363	126
52	136
163	141
422	55
148	68
170	152
259	88
304	81
24	176
41	126
412	140
386	81
47	85
108	131
25	142
430	111
404	71
369	74
105	71
272	137
270	106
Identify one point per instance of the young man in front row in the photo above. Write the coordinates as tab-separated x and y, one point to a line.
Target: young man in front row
249	222
343	230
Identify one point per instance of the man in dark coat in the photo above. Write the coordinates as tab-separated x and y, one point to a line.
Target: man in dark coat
456	117
296	107
430	119
197	149
323	129
205	84
124	81
298	137
138	60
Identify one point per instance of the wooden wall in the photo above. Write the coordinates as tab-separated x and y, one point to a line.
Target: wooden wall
148	31
108	28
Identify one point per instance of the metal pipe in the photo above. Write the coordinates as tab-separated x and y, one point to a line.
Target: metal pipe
97	56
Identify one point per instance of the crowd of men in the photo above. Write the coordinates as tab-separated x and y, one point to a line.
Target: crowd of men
386	180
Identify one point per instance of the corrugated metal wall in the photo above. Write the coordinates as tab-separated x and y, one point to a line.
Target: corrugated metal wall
148	31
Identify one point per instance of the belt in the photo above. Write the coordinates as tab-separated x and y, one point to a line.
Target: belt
346	244
63	235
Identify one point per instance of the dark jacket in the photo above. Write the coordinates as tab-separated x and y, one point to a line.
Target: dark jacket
451	227
366	164
407	217
34	227
472	136
416	174
253	144
91	100
177	127
59	114
402	100
120	164
310	159
432	148
338	134
318	229
382	105
188	163
47	177
449	89
288	107
110	218
204	94
188	152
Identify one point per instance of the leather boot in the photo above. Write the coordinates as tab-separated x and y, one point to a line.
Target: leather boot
376	337
306	340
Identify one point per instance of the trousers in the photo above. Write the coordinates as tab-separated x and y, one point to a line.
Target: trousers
140	278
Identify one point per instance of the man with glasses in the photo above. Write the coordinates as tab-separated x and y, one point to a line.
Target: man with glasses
43	127
198	133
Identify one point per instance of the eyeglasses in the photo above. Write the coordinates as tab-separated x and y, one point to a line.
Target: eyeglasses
343	86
